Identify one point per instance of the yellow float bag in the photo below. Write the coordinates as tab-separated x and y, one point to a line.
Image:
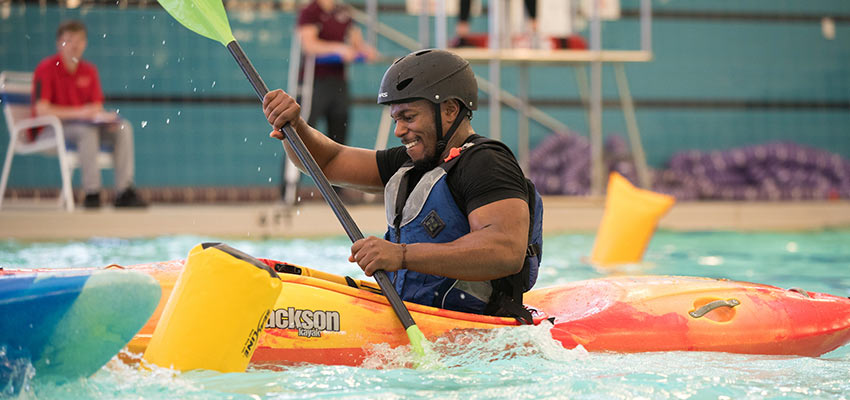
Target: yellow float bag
629	220
216	313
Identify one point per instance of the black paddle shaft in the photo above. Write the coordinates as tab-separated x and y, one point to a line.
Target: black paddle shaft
322	181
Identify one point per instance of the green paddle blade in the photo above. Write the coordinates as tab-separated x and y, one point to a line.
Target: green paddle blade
424	357
204	17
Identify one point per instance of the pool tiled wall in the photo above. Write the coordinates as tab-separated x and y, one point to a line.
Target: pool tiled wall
724	74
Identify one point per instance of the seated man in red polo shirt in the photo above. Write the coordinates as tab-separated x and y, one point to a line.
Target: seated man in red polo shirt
66	86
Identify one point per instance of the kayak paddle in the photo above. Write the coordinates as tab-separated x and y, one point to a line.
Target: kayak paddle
208	18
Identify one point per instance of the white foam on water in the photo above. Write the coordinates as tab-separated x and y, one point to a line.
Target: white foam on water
468	347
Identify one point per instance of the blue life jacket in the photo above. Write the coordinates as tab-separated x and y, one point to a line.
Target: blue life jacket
429	214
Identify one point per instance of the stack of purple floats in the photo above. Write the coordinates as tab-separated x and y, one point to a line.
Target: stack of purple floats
560	165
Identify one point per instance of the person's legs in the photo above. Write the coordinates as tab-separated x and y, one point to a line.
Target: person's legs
531	9
337	116
85	138
120	136
527	36
462	28
337	109
318	104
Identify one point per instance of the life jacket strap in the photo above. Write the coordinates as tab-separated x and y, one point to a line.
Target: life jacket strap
505	306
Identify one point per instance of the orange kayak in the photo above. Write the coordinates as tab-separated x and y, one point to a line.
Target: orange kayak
328	319
324	318
676	313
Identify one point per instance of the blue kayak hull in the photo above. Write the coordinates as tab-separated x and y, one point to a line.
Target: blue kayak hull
61	326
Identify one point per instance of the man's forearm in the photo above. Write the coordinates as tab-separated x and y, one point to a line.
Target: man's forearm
474	257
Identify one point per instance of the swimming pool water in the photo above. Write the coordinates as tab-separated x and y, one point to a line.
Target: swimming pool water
512	363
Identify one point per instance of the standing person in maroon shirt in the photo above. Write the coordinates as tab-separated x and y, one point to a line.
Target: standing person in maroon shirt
66	86
328	33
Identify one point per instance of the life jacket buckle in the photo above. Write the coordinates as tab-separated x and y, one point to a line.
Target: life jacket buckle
531	250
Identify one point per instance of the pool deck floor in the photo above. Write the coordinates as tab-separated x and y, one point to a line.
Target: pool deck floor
31	220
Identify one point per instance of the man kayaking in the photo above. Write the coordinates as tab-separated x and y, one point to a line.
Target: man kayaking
464	224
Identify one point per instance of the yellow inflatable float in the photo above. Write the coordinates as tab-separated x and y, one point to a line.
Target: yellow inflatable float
216	312
630	218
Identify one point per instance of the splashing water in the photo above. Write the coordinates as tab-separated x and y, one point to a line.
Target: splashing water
476	348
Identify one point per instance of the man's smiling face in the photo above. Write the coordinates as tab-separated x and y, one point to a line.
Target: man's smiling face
415	127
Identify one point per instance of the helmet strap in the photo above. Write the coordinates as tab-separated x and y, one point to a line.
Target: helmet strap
438	122
442	141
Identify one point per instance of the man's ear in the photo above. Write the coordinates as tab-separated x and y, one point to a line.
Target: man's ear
450	109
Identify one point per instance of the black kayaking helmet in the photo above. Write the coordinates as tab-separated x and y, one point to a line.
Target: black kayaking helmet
434	75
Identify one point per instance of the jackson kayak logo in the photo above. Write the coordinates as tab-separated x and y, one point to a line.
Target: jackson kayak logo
308	322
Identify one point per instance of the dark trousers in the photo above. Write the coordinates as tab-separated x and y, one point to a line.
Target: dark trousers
465	5
330	102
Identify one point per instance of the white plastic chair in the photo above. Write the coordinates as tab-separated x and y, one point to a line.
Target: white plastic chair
15	95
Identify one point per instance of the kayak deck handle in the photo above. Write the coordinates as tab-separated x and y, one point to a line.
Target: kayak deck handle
699	312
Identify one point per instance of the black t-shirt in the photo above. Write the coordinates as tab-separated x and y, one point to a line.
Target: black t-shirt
481	177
